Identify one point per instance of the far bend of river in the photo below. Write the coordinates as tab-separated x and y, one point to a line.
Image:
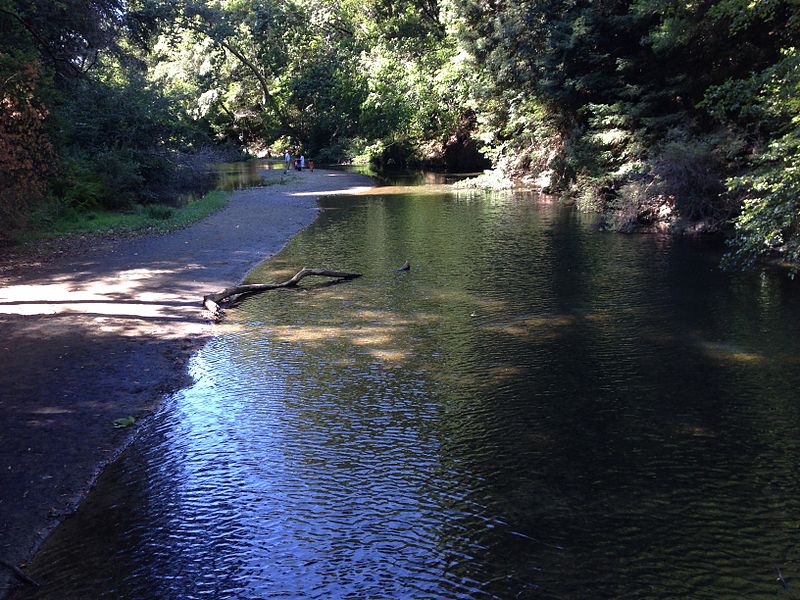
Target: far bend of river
536	410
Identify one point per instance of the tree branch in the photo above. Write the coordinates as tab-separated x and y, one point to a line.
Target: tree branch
214	302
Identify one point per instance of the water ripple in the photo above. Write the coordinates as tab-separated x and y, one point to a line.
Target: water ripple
536	410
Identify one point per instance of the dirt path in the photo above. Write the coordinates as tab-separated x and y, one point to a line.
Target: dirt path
105	334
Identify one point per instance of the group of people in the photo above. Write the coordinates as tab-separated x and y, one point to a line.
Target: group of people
299	162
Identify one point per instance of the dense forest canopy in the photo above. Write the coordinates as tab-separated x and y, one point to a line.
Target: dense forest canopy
656	113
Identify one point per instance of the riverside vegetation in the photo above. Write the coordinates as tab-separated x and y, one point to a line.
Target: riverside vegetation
660	115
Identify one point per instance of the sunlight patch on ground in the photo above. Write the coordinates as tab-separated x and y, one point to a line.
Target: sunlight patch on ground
96	296
124	303
359	189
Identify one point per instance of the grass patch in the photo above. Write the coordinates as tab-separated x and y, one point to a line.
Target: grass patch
149	218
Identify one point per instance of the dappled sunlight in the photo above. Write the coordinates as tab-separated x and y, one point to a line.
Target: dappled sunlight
125	303
455	379
697	431
227	328
480	305
550	321
730	353
376	341
720	351
611	315
290	333
381	334
389	355
344	362
372	339
541	328
393	319
504	373
135	326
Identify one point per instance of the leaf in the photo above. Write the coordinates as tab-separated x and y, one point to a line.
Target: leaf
123	422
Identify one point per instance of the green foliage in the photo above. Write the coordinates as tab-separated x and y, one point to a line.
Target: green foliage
159	212
80	186
642	109
322	74
769	221
658	113
116	140
151	217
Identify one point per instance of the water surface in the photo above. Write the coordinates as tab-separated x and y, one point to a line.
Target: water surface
535	410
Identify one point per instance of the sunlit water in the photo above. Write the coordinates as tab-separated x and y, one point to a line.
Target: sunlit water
535	410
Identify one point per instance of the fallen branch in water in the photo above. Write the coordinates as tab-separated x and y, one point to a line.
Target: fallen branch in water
19	574
214	302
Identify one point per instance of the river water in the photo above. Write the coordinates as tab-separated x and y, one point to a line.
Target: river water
535	410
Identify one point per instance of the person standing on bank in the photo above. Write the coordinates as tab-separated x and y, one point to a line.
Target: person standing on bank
287	159
302	162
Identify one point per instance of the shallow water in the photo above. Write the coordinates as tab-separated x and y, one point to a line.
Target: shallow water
535	410
230	176
243	174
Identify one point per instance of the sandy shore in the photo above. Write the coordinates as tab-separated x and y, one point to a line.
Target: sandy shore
93	337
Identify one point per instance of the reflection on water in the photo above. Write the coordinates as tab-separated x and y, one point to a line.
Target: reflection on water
535	410
241	175
234	176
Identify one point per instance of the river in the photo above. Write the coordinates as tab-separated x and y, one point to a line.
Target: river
537	409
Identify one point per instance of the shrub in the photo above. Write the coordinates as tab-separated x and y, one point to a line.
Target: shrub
159	212
688	169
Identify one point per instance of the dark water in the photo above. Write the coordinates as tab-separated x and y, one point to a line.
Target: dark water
535	410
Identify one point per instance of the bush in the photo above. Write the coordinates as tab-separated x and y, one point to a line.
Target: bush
688	169
120	173
80	187
637	206
159	212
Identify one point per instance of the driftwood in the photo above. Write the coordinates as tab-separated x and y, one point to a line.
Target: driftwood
214	302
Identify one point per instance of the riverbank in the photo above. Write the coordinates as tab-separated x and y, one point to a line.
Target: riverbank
103	333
